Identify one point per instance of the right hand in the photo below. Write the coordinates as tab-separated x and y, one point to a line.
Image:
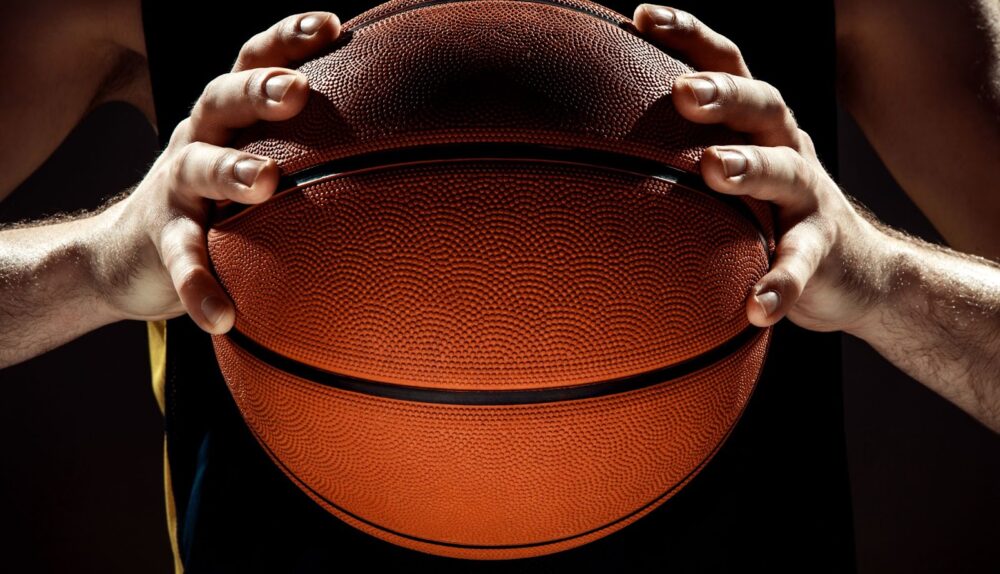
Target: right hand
829	269
159	266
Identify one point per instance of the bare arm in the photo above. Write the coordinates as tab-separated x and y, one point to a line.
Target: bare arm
145	256
933	312
51	284
922	79
937	318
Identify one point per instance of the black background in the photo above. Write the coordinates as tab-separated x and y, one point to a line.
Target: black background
81	482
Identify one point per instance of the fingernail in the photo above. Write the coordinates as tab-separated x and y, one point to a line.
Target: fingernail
277	86
660	15
768	301
310	24
733	163
213	308
704	90
246	170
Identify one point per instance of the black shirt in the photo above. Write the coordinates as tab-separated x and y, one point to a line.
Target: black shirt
775	495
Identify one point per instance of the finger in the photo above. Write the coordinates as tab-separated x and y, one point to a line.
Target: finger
184	254
779	175
681	33
749	106
203	170
291	40
798	255
239	99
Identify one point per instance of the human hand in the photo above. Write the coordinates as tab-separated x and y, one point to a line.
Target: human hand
825	274
159	265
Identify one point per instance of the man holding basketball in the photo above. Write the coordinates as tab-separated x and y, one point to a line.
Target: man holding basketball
933	312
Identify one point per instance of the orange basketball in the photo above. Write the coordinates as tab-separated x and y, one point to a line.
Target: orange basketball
493	311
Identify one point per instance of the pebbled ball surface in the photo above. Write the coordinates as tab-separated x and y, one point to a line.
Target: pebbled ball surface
544	477
490	275
488	70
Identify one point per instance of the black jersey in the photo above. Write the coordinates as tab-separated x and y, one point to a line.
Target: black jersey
775	496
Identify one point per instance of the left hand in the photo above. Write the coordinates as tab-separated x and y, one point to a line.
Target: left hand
828	266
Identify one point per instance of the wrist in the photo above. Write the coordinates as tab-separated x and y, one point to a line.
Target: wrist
894	278
114	240
129	276
880	273
91	243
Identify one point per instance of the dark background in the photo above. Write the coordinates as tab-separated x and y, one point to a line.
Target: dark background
81	483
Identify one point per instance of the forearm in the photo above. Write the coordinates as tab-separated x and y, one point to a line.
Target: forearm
939	321
49	291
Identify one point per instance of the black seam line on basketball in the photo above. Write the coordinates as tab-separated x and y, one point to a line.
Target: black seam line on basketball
625	25
492	397
510	151
639	510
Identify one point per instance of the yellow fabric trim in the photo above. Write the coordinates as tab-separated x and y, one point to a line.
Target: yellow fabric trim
171	510
157	331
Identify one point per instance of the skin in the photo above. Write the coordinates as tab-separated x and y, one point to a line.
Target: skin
933	312
944	156
79	54
145	257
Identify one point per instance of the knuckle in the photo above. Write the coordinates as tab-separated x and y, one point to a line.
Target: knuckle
190	277
287	30
773	94
729	49
791	284
803	174
249	49
685	23
253	87
180	135
179	167
774	104
796	284
806	141
788	122
208	100
759	164
729	88
220	168
253	47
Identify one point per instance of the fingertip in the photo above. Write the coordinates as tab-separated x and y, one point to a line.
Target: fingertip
653	17
764	306
265	184
299	92
319	24
218	314
203	298
686	99
640	17
335	27
716	173
286	92
285	95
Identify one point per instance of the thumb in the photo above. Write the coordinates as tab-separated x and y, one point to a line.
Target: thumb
185	255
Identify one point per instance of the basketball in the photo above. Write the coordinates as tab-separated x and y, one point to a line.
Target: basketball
492	310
